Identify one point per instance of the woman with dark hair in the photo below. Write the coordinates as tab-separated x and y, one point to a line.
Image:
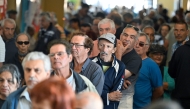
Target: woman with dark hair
157	53
53	93
9	81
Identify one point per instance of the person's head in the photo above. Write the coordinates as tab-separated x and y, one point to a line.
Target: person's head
116	17
45	20
81	45
164	29
107	46
106	26
85	27
84	9
22	43
12	14
127	17
53	93
129	36
60	54
8	26
147	22
143	45
53	17
75	23
88	100
36	66
30	30
187	18
149	30
157	52
164	104
95	25
181	31
9	80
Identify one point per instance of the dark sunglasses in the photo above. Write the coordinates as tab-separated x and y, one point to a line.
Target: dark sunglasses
25	42
142	44
131	26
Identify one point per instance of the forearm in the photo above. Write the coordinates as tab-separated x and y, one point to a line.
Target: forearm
157	93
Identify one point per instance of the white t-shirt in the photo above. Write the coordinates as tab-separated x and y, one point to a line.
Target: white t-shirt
2	50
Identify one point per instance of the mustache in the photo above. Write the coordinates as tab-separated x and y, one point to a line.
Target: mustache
32	79
103	53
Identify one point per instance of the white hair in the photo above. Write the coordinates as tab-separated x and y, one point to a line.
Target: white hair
106	20
8	20
38	56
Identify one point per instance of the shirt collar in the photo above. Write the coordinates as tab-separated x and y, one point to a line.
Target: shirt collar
87	61
70	79
25	94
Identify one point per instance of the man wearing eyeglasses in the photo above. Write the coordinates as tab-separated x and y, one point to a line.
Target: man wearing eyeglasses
60	57
81	49
22	43
126	53
113	70
148	87
8	27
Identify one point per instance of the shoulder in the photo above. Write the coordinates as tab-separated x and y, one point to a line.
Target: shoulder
87	81
15	94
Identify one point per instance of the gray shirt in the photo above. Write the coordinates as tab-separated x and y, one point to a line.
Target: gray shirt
94	73
24	100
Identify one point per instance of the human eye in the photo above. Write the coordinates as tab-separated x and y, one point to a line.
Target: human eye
10	81
100	29
124	34
28	69
132	37
37	70
107	29
60	53
1	80
51	55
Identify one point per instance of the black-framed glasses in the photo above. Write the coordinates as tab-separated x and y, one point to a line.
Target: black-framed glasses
76	45
21	42
58	54
141	44
135	28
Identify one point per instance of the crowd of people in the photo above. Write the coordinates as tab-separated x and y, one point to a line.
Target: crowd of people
106	61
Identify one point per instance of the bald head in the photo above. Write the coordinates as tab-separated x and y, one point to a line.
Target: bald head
89	100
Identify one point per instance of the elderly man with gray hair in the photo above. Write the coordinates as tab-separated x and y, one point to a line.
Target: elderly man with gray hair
37	68
9	81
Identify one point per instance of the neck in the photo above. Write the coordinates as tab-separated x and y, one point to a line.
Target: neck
144	56
20	54
2	97
78	63
63	72
127	51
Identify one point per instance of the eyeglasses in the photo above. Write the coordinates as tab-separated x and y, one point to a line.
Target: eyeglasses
76	45
58	54
21	42
131	26
141	44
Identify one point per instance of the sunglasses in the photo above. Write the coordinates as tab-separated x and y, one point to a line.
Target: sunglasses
142	44
21	43
135	28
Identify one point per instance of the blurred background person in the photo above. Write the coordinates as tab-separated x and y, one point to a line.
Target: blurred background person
9	81
88	100
157	53
53	93
2	49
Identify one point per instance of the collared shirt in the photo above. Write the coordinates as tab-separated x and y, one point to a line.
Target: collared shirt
176	45
93	72
24	100
71	80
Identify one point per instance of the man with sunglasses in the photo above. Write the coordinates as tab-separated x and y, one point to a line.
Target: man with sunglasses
81	48
22	43
8	27
148	87
126	53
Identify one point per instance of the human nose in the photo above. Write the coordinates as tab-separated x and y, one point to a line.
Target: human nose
5	83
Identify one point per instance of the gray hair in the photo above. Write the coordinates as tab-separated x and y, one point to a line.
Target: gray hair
46	15
38	56
164	104
147	37
26	34
8	20
13	70
53	17
106	20
133	27
187	18
151	27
